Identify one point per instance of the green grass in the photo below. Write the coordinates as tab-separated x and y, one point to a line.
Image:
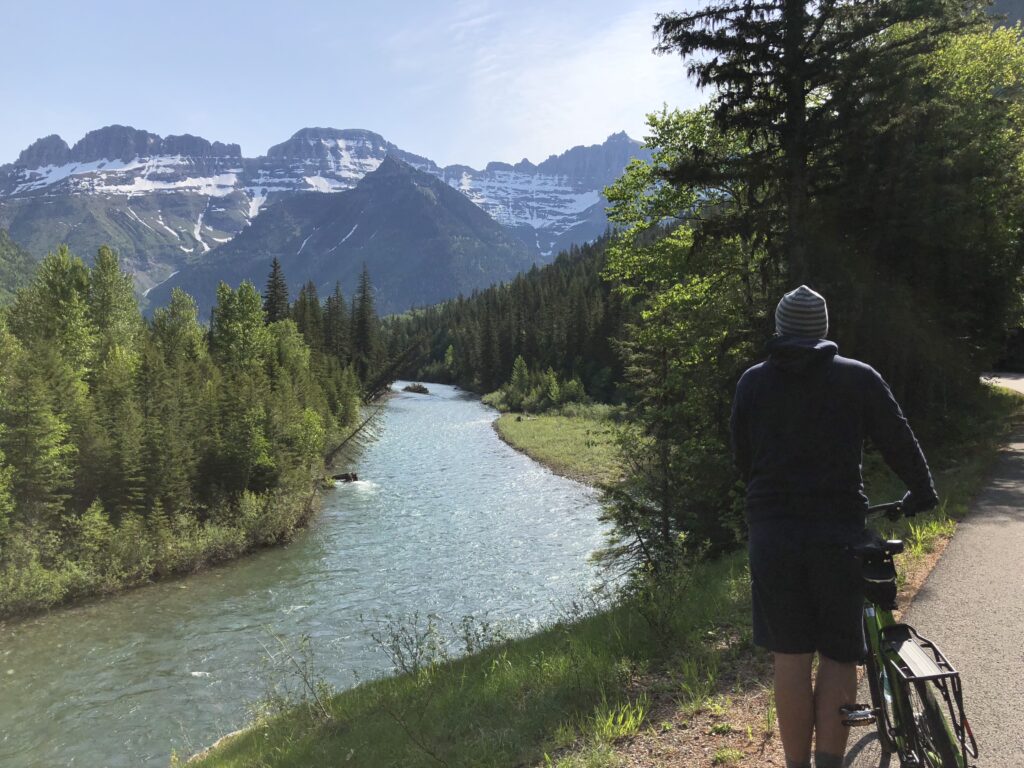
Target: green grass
579	446
727	756
564	696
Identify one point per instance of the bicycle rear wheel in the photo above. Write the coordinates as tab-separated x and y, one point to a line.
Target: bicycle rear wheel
935	742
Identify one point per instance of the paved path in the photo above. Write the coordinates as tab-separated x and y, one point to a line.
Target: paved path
972	607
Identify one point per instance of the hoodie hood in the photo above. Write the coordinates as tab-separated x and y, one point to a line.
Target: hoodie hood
796	354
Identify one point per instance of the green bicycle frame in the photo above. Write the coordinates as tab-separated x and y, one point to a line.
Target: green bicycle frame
891	686
895	713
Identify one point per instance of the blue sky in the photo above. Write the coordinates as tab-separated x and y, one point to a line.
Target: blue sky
466	81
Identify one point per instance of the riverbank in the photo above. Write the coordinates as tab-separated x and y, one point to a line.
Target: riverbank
140	550
672	679
580	445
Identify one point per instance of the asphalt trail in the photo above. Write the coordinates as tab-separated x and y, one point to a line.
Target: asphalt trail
972	607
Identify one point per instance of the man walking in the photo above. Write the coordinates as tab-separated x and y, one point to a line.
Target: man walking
799	422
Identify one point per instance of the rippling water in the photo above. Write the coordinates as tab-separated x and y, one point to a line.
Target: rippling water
445	518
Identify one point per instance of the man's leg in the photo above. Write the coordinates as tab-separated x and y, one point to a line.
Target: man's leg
794	702
836	686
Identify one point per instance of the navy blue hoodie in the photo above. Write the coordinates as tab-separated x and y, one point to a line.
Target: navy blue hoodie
799	421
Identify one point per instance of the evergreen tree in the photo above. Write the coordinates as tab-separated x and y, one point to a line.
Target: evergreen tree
54	311
336	330
176	329
35	443
112	305
365	336
275	298
238	334
308	316
792	76
121	417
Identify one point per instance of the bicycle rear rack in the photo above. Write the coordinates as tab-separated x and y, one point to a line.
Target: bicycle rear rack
920	660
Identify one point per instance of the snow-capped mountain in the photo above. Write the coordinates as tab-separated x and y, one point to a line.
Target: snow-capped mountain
422	240
165	202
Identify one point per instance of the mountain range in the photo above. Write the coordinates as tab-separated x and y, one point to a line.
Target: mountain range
422	240
175	205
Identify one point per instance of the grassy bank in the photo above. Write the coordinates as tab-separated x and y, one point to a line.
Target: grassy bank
578	443
669	678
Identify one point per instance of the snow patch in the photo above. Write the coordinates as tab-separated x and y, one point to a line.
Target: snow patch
350	233
146	292
220	185
136	216
160	221
323	184
306	240
197	232
256	201
346	237
48	175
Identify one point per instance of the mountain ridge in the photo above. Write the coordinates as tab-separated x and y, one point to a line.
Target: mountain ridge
404	224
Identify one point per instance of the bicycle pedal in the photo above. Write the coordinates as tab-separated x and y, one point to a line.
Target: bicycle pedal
858	714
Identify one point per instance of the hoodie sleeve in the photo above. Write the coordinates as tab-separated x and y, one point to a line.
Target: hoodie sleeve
889	430
738	428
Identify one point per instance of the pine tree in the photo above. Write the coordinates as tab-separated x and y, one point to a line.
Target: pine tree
238	333
54	311
792	76
112	305
336	330
365	335
308	316
35	442
121	417
275	298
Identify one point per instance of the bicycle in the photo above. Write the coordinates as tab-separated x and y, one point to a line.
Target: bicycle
907	674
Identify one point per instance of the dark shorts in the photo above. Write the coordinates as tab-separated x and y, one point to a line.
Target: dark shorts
807	591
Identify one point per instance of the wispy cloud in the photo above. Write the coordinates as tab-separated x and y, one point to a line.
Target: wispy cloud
533	81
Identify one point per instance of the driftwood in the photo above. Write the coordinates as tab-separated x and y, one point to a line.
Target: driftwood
417	388
346	477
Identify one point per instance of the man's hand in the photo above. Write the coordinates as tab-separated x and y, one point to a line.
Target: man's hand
912	503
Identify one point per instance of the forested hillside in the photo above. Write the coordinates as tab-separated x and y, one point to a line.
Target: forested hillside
132	449
560	317
16	267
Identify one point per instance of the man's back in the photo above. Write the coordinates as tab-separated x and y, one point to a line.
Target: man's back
799	423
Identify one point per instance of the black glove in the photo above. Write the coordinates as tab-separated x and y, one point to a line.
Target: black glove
912	503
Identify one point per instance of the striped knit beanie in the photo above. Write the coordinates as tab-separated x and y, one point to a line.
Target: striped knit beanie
802	313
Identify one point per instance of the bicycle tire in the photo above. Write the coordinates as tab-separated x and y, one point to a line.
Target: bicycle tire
936	744
883	719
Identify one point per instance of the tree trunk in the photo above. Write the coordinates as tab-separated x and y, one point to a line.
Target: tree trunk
794	143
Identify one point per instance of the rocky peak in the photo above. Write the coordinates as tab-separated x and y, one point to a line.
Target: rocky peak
196	146
51	150
319	143
116	142
596	163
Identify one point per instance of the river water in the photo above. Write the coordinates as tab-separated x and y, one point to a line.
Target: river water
445	519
